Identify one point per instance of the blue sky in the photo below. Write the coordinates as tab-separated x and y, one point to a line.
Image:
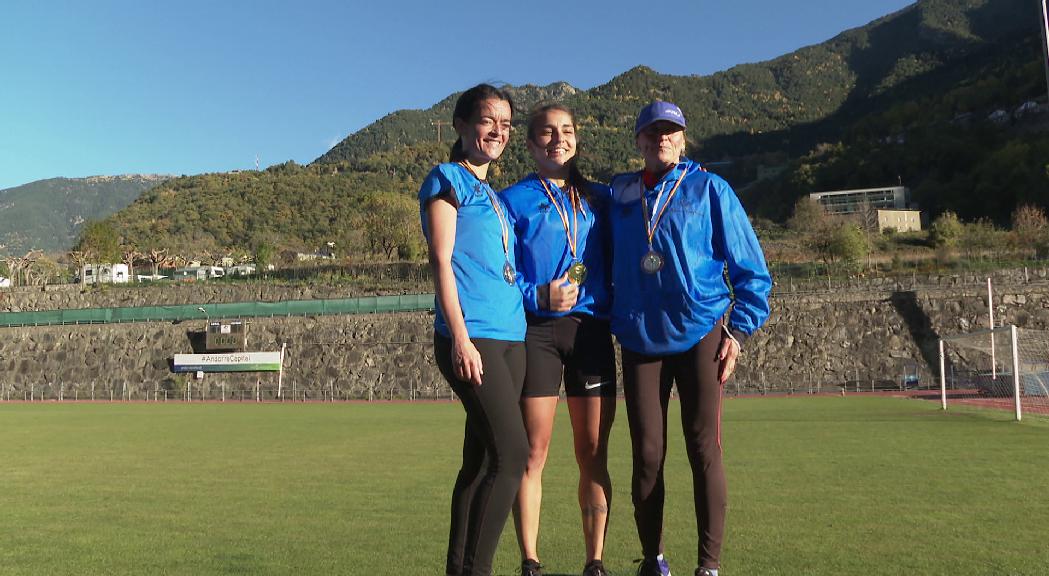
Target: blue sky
185	87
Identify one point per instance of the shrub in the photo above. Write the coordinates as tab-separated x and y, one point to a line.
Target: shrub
946	230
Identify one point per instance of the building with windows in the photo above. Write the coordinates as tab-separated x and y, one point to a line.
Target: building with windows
899	220
862	200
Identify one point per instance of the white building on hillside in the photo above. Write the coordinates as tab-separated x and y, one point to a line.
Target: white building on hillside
899	220
861	200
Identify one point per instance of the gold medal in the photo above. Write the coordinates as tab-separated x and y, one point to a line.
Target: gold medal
577	273
509	274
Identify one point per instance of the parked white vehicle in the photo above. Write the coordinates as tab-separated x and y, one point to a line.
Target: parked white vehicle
4	282
104	273
242	270
194	273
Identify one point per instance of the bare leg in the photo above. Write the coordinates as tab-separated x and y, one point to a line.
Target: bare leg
591	423
539	424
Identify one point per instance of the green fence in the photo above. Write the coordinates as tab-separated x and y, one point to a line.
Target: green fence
367	305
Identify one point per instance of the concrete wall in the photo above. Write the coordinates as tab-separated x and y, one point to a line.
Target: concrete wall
812	340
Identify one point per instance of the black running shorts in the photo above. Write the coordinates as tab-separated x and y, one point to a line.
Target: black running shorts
579	347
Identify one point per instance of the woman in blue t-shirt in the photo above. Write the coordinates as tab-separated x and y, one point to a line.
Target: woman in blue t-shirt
479	327
561	230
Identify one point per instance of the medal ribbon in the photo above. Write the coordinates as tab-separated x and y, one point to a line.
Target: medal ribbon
650	226
504	225
571	238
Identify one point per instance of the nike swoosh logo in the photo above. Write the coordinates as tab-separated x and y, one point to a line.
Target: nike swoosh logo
596	385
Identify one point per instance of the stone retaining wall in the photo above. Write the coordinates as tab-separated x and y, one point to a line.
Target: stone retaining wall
812	340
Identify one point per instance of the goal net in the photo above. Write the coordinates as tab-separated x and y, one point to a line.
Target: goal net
1006	368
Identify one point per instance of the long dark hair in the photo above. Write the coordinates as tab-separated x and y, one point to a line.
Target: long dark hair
575	177
466	106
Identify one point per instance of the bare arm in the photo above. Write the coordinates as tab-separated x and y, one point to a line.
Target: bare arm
441	217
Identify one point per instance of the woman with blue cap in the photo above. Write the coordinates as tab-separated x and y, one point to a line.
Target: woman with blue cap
562	238
690	285
479	325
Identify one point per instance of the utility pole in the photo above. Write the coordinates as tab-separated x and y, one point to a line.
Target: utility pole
438	124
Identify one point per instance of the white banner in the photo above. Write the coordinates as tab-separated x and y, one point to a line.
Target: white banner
228	362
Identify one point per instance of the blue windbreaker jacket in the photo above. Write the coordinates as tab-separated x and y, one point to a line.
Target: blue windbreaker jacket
703	232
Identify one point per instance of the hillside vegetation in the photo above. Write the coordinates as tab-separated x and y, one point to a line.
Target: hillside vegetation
48	214
902	99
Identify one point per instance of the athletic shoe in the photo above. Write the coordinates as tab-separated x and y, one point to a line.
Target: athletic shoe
706	572
654	567
531	568
595	568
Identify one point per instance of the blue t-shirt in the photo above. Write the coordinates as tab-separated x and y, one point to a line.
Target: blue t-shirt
491	307
543	253
703	232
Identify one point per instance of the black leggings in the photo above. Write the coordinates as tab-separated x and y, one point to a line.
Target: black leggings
646	384
495	452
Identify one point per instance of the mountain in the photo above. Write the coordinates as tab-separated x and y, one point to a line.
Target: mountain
48	214
405	127
872	106
800	98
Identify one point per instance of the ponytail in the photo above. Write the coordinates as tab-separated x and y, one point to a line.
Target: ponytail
576	178
457	154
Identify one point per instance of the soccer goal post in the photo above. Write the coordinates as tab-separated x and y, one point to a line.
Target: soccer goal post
1005	368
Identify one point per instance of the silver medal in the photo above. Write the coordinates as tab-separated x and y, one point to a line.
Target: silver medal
651	262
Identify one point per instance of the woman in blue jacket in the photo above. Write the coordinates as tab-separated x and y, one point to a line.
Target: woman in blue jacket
676	230
479	326
562	238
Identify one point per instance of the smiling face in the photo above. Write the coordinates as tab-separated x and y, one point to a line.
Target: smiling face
661	145
486	133
551	140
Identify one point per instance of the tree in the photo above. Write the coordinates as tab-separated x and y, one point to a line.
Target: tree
157	258
263	252
1029	220
946	230
848	243
1031	229
128	254
21	267
78	259
43	271
808	216
99	242
980	237
12	268
390	223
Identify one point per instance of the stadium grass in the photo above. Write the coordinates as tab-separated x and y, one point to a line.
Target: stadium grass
818	485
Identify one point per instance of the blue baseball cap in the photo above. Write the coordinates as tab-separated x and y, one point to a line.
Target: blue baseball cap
657	111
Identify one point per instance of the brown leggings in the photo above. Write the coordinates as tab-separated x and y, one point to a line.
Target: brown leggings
646	382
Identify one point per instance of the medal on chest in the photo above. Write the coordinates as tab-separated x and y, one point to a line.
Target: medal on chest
652	262
509	274
576	270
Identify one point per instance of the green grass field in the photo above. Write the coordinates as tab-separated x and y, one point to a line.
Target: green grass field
821	486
